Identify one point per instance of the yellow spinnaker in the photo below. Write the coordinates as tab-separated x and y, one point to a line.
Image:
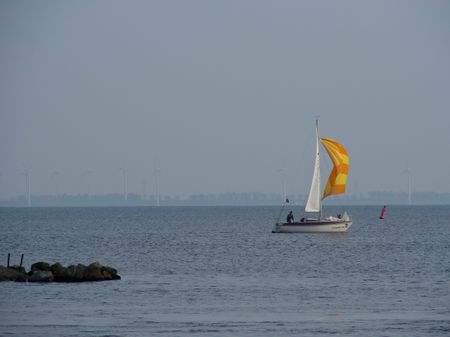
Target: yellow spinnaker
338	176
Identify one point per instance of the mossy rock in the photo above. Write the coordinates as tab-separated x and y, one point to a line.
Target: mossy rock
93	272
41	276
11	274
76	273
40	266
59	272
111	273
56	268
19	269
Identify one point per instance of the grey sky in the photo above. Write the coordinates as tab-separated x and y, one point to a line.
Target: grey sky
222	93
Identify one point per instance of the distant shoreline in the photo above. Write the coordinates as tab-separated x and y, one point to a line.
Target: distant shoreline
223	199
220	205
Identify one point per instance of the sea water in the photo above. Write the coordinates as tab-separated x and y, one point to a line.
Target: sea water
219	271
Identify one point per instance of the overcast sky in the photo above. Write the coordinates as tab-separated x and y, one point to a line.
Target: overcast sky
222	94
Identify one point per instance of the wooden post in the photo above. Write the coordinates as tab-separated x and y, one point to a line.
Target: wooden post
9	255
21	261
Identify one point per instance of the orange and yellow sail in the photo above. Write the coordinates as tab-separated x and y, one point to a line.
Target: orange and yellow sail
338	176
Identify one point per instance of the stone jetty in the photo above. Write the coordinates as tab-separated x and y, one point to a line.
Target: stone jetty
44	272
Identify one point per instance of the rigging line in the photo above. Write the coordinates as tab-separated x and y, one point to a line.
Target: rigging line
281	212
302	168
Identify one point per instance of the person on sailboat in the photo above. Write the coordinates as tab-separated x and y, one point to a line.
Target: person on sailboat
290	217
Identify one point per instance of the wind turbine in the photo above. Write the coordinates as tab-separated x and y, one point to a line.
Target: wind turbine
125	184
407	171
283	182
88	174
144	190
156	173
27	174
356	188
55	176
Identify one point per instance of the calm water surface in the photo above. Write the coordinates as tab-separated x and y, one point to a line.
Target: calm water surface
219	271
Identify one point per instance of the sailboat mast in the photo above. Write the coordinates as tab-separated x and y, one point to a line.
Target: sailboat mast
318	155
314	198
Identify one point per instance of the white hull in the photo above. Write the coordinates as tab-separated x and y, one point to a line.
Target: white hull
314	226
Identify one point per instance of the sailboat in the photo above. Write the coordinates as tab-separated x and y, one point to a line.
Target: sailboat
335	185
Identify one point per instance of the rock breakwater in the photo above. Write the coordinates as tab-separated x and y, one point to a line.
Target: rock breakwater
44	272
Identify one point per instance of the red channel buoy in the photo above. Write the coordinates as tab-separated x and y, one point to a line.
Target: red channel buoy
382	212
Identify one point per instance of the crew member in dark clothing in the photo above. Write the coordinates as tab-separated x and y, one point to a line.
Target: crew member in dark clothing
290	217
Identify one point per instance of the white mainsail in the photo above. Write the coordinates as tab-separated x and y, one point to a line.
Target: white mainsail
313	203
